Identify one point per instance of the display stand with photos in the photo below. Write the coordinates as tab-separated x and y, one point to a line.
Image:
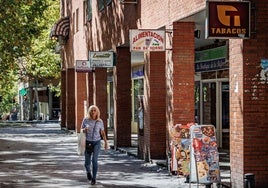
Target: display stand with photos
204	165
180	149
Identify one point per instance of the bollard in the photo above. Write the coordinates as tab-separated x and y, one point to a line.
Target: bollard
249	180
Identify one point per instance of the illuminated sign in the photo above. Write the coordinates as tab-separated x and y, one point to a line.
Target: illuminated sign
147	40
228	19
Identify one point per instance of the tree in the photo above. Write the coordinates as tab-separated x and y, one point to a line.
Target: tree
27	53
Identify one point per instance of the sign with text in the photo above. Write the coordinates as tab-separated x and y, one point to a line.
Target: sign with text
228	19
211	59
147	40
82	66
101	59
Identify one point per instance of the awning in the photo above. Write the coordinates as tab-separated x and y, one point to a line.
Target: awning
61	28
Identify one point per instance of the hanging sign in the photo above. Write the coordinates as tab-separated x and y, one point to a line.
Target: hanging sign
204	155
82	66
147	40
228	19
101	59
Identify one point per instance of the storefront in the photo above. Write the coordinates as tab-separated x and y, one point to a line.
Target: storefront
212	91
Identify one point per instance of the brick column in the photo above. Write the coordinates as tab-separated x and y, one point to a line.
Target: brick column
63	99
183	72
80	95
90	89
70	99
155	106
122	98
101	93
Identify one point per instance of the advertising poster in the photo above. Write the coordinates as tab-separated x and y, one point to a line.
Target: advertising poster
204	155
180	149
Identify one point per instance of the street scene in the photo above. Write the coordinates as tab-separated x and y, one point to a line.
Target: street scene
161	93
43	155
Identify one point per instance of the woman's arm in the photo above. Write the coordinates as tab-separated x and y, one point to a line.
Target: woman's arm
103	134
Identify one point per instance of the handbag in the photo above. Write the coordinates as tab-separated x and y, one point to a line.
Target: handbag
89	147
81	141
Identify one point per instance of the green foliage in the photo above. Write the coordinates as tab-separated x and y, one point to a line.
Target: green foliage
26	52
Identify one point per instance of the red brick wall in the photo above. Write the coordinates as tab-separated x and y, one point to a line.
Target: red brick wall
122	98
80	98
249	103
155	106
90	89
101	93
70	99
63	99
236	112
183	72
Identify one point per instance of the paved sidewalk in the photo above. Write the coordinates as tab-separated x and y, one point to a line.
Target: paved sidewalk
44	156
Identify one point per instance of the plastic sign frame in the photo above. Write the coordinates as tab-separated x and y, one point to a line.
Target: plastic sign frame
147	40
105	59
228	19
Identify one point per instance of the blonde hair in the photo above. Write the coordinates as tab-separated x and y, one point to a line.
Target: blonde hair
97	111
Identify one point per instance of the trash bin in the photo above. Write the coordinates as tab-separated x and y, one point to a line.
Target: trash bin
249	180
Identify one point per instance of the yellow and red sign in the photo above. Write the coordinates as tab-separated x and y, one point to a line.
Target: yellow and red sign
147	40
228	19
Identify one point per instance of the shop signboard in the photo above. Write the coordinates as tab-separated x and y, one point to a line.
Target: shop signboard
82	66
101	59
211	59
147	40
204	155
228	19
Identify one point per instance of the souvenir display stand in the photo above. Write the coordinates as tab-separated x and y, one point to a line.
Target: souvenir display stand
180	149
194	153
204	165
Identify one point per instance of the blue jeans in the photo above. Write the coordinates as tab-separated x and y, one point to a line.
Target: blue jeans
93	157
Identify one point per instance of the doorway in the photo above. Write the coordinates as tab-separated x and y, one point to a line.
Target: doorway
212	107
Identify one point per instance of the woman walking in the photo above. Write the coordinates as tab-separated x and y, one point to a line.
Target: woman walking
93	126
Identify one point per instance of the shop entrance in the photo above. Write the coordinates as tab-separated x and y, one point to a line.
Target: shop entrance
212	107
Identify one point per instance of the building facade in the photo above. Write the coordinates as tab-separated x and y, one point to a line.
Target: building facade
219	81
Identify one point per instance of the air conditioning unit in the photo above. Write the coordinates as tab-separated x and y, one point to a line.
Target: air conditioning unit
129	1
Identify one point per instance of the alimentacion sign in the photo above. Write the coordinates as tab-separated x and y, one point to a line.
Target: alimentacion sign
228	19
147	40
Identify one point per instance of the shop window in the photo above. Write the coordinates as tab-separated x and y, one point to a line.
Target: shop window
101	4
89	10
108	2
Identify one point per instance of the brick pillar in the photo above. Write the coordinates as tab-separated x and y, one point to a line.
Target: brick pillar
122	98
248	111
101	93
155	106
90	88
183	72
70	99
80	92
63	99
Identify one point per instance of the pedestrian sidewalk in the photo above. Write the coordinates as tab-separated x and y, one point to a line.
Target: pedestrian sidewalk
42	155
223	155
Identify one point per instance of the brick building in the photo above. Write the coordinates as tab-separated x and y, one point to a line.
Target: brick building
178	85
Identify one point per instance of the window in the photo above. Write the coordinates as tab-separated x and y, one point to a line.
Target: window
77	20
101	4
108	2
89	10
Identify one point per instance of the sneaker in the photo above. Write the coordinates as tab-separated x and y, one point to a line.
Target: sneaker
89	176
93	182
